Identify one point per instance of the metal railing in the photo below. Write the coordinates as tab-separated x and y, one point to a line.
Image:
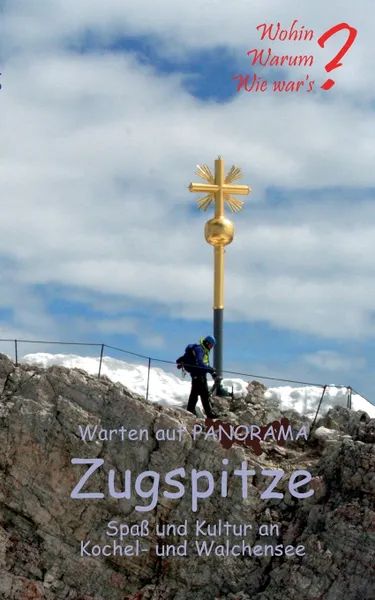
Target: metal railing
151	360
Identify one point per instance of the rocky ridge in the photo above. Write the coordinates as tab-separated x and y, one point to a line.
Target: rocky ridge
41	526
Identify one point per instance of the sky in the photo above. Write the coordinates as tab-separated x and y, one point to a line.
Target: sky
106	108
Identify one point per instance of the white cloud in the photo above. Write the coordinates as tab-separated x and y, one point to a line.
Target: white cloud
183	27
327	360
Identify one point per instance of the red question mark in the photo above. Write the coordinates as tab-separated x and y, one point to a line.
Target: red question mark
334	64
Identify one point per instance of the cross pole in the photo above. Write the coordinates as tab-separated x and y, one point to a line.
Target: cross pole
219	232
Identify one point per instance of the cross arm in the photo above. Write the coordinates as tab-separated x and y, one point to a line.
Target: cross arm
241	190
209	188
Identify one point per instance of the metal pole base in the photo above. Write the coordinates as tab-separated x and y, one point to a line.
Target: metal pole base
219	390
218	351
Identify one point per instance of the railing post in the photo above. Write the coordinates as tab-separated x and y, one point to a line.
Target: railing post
317	412
16	352
148	377
350	397
101	359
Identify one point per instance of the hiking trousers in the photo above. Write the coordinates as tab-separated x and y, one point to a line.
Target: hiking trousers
199	388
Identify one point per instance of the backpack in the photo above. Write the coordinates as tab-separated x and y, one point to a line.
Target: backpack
188	360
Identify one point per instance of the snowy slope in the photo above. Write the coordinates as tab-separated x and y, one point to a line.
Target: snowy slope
167	388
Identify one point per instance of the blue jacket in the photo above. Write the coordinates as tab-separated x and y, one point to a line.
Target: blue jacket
202	356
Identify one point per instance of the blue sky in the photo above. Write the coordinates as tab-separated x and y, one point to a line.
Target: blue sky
104	116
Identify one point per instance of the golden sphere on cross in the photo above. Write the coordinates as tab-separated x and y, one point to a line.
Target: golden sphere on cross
219	231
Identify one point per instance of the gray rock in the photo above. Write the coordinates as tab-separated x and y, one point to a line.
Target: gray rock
42	526
357	425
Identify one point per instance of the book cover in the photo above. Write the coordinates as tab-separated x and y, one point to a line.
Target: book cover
186	307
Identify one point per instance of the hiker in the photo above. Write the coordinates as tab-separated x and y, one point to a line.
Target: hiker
196	361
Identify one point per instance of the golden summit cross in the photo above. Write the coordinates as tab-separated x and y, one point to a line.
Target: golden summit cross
219	188
219	232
